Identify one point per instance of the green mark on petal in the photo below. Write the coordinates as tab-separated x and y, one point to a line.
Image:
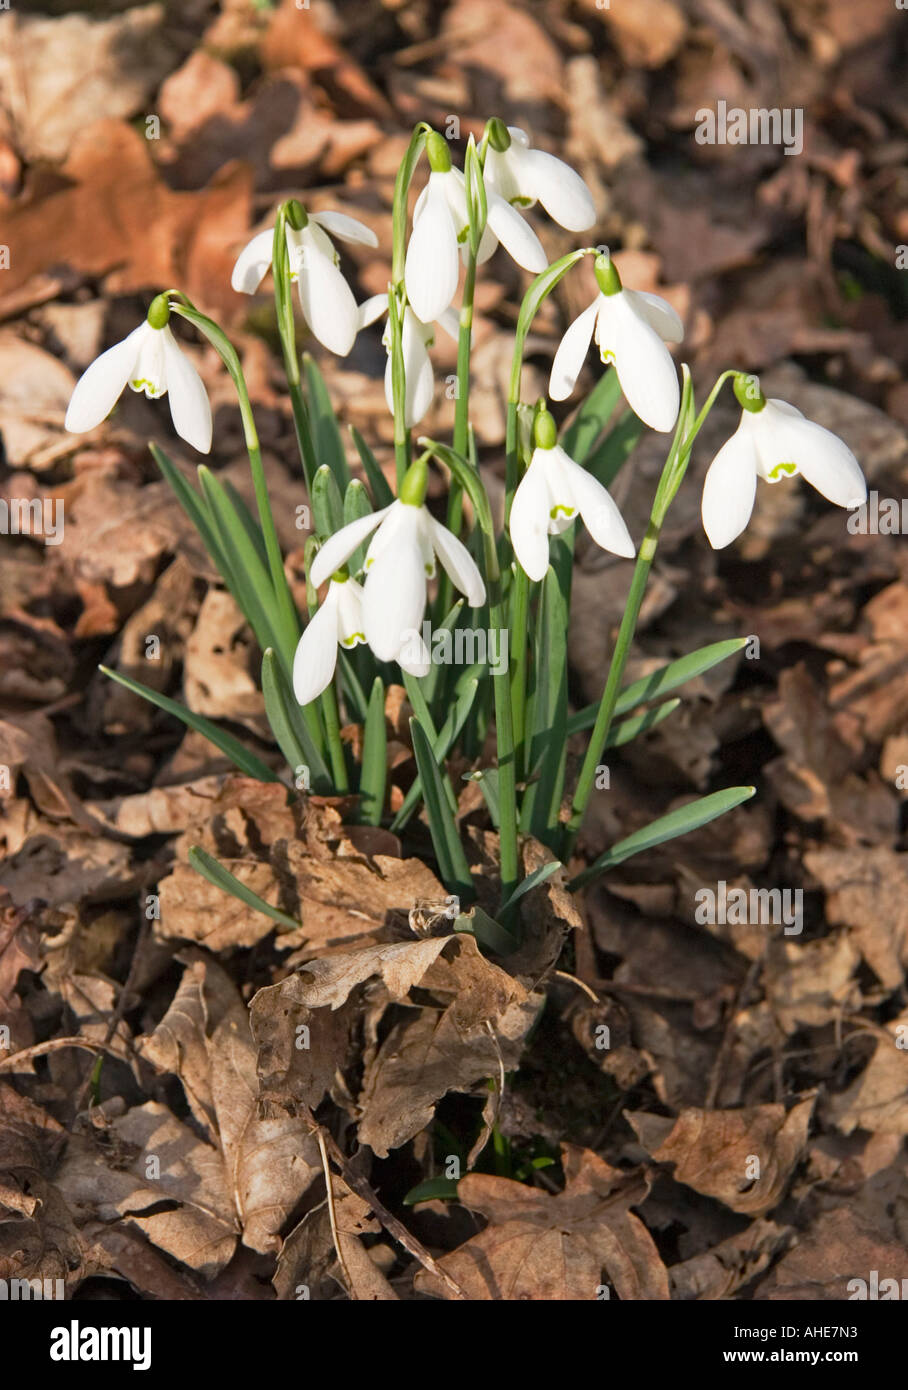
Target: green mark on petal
565	511
782	469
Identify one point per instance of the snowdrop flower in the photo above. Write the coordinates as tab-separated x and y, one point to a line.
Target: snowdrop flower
524	177
339	622
149	360
629	327
328	304
416	339
440	225
551	493
400	558
773	441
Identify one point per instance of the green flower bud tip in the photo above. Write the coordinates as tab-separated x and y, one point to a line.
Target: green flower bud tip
499	138
416	481
607	277
438	152
545	431
296	215
159	311
748	393
341	576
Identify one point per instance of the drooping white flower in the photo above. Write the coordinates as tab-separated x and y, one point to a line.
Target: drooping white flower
149	360
628	326
338	622
400	559
327	301
551	494
524	176
773	441
416	339
440	232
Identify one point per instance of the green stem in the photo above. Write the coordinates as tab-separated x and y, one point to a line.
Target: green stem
335	747
519	646
461	419
672	476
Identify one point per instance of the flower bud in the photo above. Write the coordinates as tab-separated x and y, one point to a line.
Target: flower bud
499	135
607	277
545	431
438	152
415	482
296	214
159	311
747	392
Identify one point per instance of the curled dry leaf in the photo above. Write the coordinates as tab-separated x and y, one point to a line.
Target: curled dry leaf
730	1265
268	1161
475	1033
158	1176
743	1158
878	1099
308	1257
400	965
562	1247
38	1239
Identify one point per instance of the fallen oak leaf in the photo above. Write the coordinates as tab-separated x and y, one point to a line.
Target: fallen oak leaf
554	1248
400	964
743	1158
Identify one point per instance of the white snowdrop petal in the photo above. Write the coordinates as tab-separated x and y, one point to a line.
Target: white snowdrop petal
370	310
529	524
316	652
596	506
822	458
340	224
338	548
350	624
414	656
730	488
458	562
658	313
559	189
150	371
644	365
328	304
432	269
571	353
516	236
101	385
395	590
418	375
253	263
189	405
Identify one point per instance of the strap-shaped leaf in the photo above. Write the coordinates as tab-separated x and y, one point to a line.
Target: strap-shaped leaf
667	678
487	931
206	865
587	425
608	457
231	747
382	495
547	714
288	723
374	773
487	779
533	880
464	695
679	822
250	525
250	578
327	503
356	505
629	729
329	445
452	862
194	507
